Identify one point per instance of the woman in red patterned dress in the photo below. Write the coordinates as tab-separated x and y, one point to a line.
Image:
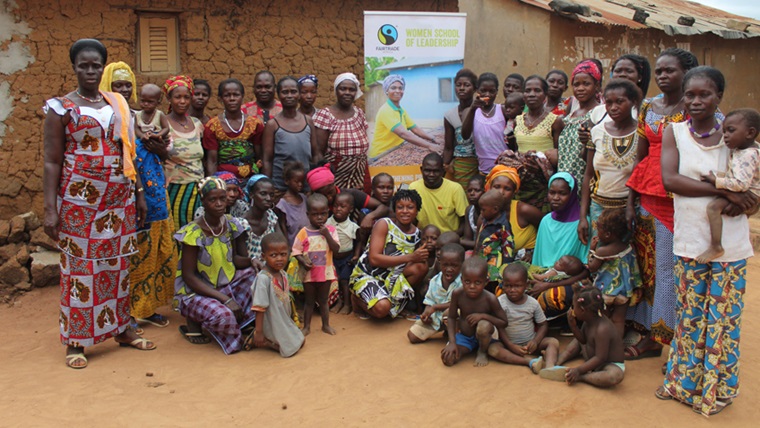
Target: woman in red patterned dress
92	206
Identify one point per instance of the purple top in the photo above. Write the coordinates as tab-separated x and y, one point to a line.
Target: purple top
295	215
488	136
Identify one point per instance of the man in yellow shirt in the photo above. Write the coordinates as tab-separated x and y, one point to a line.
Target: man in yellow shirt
443	201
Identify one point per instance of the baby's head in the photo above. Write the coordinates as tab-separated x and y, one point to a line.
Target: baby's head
274	250
430	234
514	281
514	105
451	258
587	301
382	187
740	128
474	276
491	204
611	226
150	97
570	265
344	204
294	175
317	210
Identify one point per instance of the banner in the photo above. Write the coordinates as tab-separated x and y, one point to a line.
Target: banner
427	50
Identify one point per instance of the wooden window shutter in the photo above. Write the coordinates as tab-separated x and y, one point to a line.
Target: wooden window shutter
158	47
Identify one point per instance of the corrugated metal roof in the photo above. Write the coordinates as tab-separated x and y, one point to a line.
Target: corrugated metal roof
663	15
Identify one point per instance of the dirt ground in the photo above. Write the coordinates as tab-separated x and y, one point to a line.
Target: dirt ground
366	375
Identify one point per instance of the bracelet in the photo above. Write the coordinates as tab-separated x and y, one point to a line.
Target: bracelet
139	189
228	301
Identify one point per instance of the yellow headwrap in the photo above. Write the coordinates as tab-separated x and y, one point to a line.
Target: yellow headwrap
503	171
116	71
124	130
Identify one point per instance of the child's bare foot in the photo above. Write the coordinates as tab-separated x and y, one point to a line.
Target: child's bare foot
710	254
345	310
306	330
481	360
329	330
338	307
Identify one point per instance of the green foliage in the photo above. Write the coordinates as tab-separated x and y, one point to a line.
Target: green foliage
371	73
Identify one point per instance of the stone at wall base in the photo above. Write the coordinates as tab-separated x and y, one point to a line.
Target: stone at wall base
40	238
12	272
46	268
18	227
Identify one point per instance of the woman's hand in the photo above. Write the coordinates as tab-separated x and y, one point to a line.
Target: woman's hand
156	146
50	224
420	255
584	135
583	230
594	243
256	264
538	288
259	340
233	306
740	203
630	216
478	102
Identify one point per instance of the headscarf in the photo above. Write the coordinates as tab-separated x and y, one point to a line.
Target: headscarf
503	171
116	71
572	211
251	183
227	177
177	81
208	184
589	67
351	77
391	80
308	78
320	177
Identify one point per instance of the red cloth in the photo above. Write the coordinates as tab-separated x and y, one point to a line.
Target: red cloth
660	207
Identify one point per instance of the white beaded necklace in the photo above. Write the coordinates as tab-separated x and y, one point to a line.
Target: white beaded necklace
242	123
223	222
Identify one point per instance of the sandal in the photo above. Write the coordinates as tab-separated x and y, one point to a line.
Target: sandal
136	327
633	353
719	406
156	319
536	365
73	358
248	341
141	344
662	393
196	338
556	373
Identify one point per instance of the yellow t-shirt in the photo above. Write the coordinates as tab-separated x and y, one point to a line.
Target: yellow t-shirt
388	118
525	237
442	206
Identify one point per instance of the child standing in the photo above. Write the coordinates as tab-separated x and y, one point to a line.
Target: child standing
475	189
495	242
527	327
349	251
313	247
473	314
291	208
150	122
275	327
438	294
740	129
598	342
614	262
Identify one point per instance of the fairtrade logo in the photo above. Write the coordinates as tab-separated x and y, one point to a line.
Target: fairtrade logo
387	34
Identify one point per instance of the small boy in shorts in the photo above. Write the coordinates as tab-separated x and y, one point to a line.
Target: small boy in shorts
740	129
473	315
526	330
438	294
349	251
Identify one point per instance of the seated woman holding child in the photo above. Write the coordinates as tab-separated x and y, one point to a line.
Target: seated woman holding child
558	237
213	285
385	276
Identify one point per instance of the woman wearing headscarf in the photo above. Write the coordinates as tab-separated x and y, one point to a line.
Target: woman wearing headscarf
152	267
523	218
557	237
94	200
585	81
393	125
184	166
213	284
342	135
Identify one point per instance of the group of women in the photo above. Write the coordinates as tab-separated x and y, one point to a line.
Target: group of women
608	149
